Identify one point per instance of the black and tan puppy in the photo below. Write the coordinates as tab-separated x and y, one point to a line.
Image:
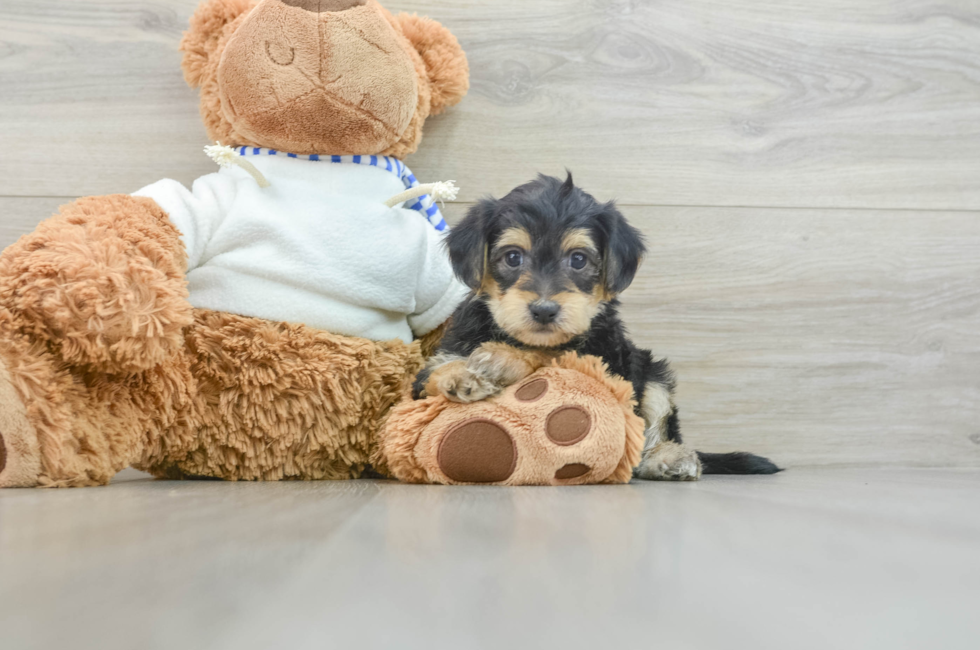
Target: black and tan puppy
546	263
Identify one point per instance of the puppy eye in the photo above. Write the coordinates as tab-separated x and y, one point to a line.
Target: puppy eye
578	261
514	258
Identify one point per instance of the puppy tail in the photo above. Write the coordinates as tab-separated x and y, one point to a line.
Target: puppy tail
738	462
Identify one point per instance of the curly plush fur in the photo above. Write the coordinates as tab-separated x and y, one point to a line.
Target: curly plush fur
105	364
114	368
103	283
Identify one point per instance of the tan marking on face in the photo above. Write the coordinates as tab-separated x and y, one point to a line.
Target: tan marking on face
511	312
578	238
489	286
514	236
577	310
600	293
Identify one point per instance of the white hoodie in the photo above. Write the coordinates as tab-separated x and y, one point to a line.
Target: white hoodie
318	246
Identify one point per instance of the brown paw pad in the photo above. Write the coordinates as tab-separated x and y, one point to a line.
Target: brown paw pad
572	470
477	451
568	425
533	390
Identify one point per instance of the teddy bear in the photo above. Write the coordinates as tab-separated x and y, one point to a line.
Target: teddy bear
261	324
264	323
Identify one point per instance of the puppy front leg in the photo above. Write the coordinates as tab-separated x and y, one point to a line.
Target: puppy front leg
488	370
664	457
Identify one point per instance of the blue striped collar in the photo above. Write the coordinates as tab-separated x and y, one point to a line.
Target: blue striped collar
425	205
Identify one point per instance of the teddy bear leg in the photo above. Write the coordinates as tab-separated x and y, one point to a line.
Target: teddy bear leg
102	284
90	302
53	433
20	454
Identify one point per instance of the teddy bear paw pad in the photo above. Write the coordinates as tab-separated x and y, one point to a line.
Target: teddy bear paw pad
477	451
568	425
533	390
572	470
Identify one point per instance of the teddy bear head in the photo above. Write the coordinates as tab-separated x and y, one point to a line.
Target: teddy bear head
320	76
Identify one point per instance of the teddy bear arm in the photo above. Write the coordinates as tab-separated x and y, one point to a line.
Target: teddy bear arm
102	282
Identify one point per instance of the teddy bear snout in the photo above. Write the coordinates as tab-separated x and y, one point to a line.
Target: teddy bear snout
311	80
325	6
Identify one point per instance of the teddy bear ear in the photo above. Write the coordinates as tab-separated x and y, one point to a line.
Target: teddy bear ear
208	25
445	61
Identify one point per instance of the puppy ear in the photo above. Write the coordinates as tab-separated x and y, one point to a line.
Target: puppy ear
467	243
624	250
445	61
208	25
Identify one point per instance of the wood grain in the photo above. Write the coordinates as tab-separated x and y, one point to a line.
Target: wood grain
19	216
888	556
817	336
814	336
799	103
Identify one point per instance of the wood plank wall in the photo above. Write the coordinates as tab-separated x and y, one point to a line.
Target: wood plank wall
807	173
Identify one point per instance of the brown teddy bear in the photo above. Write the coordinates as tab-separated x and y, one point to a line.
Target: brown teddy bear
121	335
161	329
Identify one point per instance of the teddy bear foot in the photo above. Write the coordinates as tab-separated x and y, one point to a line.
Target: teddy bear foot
20	455
482	450
568	425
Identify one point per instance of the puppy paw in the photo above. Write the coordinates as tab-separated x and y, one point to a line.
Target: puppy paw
461	384
470	386
669	461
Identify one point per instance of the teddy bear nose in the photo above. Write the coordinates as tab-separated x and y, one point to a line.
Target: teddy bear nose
325	6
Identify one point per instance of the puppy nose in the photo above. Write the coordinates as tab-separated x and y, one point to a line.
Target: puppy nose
325	6
544	311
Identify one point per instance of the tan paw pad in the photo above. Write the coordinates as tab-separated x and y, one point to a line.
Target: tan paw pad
568	425
477	451
572	470
532	391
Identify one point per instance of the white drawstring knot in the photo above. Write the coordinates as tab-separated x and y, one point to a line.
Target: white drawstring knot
441	191
226	157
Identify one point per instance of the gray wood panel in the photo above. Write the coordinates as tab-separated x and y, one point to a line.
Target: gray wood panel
814	336
817	336
19	216
800	103
809	559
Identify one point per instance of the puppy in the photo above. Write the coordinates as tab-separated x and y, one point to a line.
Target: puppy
546	264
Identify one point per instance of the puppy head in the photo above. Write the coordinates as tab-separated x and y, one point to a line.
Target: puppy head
546	257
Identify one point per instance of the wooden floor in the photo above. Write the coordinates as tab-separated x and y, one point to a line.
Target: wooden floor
817	558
